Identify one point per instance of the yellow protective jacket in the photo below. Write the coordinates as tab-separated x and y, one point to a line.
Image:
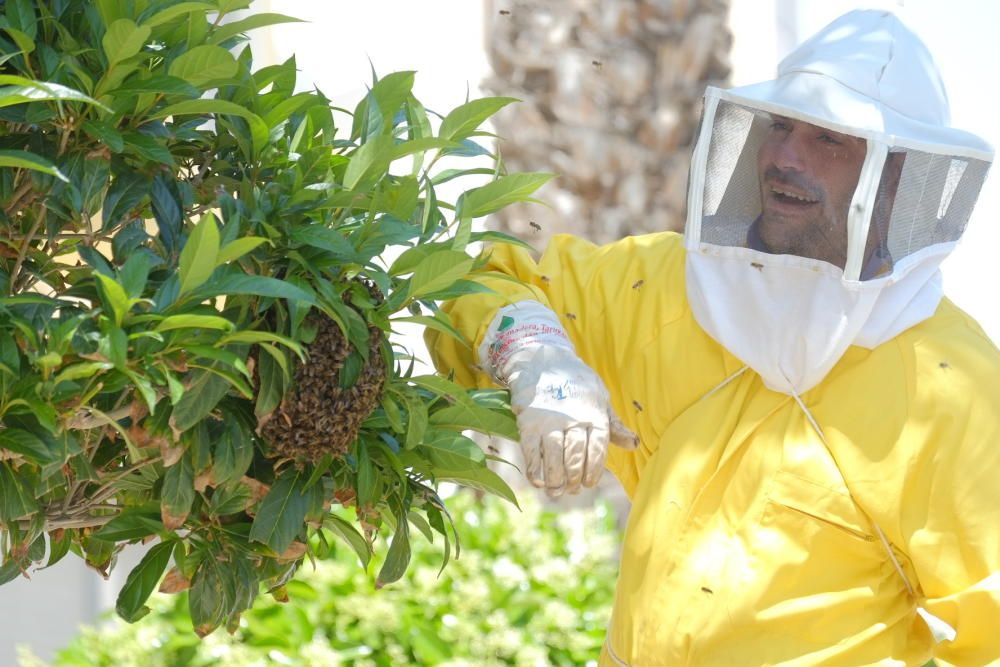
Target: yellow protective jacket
750	541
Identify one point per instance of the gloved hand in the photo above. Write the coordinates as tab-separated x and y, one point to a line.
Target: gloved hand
563	410
565	419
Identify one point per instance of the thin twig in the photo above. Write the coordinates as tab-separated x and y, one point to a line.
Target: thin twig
102	492
23	251
62	522
15	200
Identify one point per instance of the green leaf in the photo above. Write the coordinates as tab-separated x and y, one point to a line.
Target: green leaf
229	499
239	283
177	494
200	254
282	513
392	413
366	477
227	357
409	259
463	416
145	388
148	148
440	322
417	421
452	451
398	556
142	580
84	369
262	336
15	501
324	238
258	128
270	387
463	120
449	174
498	237
481	478
123	198
26	444
284	109
203	394
390	92
58	546
279	358
123	39
212	595
236	249
19	90
232	454
105	133
26	160
180	9
420	146
351	536
422	525
194	322
227	30
237	382
25	43
113	296
132	524
502	192
204	64
134	273
438	271
441	387
158	85
399	199
369	162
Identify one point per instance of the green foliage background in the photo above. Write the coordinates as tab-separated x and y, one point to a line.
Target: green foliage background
531	588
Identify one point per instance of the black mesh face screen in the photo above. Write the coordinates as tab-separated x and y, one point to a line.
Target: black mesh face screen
923	199
933	202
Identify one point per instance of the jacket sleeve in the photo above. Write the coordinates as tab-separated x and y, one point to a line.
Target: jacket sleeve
558	280
611	300
952	508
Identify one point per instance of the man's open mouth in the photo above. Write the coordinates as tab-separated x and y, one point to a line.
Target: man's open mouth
791	197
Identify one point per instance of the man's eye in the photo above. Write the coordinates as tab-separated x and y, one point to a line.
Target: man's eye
779	125
828	139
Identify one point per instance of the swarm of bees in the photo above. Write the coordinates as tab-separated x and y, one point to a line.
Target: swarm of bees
317	415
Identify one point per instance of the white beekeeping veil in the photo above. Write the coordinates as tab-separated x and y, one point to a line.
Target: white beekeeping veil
822	203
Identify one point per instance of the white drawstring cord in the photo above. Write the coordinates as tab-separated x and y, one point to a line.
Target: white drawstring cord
611	653
725	382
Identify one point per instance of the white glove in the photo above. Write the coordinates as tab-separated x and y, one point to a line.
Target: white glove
562	406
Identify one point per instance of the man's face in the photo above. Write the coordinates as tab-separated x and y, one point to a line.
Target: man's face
808	175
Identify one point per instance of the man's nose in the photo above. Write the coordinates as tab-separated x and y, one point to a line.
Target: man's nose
789	153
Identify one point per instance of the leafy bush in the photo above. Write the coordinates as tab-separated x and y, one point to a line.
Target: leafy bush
196	297
536	596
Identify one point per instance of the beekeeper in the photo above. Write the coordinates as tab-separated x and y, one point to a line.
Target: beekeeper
814	453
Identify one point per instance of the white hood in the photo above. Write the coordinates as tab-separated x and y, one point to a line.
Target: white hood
791	318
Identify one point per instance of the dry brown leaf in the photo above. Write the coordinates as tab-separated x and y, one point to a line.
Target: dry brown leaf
174	582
